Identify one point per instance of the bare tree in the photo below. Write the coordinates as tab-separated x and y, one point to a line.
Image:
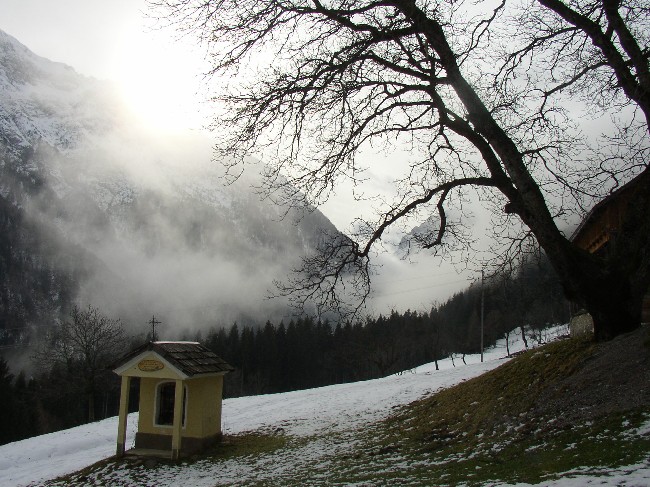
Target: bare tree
479	103
84	346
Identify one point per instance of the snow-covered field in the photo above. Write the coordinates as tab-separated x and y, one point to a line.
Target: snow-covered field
317	414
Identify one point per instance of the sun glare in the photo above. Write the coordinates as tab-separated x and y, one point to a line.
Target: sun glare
160	79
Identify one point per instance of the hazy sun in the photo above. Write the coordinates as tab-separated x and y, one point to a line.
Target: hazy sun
161	80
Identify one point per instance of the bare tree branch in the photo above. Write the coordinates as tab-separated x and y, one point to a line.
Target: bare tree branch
325	81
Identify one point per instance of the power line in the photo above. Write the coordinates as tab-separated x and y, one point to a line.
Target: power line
424	276
423	287
15	345
26	327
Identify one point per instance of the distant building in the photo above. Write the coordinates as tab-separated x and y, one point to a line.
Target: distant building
599	229
181	386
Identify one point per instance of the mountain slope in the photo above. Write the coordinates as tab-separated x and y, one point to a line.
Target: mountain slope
96	209
372	433
305	414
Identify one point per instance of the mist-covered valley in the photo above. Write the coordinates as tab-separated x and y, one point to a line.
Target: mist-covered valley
98	210
95	209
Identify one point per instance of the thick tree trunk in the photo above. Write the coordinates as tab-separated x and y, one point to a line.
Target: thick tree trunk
613	298
615	307
604	286
614	318
611	290
610	286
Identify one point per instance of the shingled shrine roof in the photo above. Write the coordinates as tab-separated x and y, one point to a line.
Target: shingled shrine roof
191	358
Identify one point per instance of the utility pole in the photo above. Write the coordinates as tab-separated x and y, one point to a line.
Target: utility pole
153	324
482	309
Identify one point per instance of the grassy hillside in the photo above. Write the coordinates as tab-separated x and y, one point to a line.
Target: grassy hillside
566	409
525	421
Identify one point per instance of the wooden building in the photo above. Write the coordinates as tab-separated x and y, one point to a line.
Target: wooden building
602	223
181	386
600	227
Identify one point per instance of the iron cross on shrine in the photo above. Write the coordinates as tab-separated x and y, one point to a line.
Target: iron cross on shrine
153	322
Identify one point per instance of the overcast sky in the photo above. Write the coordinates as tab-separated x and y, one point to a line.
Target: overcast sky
112	39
